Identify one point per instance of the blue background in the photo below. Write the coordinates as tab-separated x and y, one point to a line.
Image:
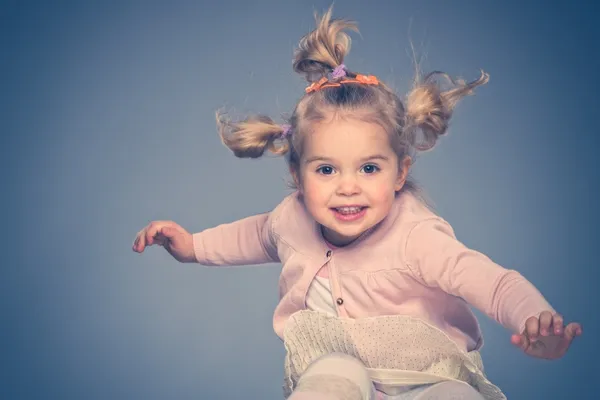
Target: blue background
108	123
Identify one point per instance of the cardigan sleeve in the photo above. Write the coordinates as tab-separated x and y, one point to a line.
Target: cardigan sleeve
247	241
440	260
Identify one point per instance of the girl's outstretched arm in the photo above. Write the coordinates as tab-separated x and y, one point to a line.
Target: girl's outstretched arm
247	241
440	260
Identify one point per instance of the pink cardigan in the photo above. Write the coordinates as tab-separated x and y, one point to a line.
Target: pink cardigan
410	264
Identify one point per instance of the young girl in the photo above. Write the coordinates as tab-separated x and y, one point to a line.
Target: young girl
375	288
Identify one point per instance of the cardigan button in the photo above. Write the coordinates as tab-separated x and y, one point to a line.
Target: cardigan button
340	301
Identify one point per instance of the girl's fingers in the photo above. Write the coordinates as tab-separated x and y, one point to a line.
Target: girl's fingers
524	342
140	241
545	323
551	345
565	340
153	229
557	324
150	232
532	328
157	232
572	330
517	340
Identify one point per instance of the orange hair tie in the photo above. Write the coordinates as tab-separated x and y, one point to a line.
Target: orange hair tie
324	82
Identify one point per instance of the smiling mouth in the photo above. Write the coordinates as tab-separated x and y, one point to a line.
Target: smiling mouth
349	210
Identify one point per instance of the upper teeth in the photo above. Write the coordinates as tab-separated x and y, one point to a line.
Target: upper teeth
348	209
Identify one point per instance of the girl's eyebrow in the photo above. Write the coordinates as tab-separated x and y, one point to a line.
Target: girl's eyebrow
318	158
375	157
329	160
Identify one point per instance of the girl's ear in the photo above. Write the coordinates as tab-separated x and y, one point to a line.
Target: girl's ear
403	170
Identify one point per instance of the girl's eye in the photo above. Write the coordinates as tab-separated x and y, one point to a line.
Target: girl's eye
370	168
325	170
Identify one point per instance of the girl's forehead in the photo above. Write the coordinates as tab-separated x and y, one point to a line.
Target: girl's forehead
342	130
346	140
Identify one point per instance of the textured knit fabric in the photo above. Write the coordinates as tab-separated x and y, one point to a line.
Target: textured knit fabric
397	351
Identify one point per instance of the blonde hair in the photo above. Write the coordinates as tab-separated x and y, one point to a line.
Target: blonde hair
415	124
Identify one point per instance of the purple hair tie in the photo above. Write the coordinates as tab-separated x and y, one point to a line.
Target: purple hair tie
287	130
338	72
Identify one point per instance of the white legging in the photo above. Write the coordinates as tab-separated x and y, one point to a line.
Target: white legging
342	377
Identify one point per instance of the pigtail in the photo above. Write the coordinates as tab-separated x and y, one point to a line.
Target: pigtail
324	48
251	137
429	107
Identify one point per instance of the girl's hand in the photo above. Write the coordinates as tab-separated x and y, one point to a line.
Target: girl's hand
176	240
546	337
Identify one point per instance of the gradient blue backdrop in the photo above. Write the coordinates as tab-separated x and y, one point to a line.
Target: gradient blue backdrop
108	123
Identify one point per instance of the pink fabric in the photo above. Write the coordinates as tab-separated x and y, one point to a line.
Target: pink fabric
410	264
324	271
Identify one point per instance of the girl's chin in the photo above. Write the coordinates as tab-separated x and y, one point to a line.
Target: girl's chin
337	238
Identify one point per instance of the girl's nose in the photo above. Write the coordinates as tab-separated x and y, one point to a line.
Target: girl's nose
348	186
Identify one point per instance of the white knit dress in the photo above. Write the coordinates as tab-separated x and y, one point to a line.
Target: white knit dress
398	351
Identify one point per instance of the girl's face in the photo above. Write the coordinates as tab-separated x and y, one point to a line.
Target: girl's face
348	176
